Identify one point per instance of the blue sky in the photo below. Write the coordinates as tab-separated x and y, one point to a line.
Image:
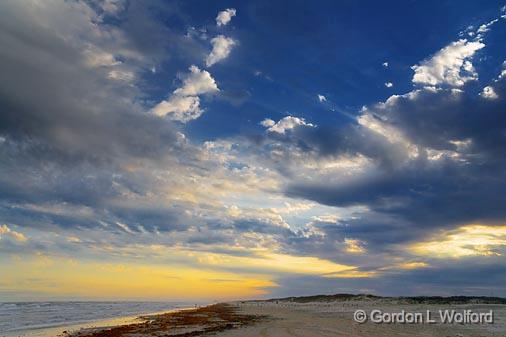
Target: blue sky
334	48
204	150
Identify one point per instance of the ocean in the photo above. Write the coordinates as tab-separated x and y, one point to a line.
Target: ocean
45	318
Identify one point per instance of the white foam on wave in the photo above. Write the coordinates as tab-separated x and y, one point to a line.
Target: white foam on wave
36	315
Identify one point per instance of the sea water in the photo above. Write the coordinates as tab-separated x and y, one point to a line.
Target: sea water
48	318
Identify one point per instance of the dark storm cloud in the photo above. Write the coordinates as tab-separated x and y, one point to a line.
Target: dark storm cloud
56	105
463	185
71	116
455	279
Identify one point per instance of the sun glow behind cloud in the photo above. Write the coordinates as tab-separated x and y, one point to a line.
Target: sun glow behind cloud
465	241
54	277
192	275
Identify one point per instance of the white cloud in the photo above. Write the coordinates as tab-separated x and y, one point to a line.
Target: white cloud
5	230
286	123
184	103
267	123
503	71
451	65
196	83
222	46
486	27
225	16
385	64
489	93
389	84
322	98
113	7
124	227
99	58
121	75
180	108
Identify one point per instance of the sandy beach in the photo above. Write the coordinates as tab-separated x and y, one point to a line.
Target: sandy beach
288	318
336	319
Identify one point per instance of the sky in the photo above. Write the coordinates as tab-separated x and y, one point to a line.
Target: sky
215	150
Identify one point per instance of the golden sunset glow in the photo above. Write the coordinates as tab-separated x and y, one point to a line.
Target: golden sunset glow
203	275
469	240
93	279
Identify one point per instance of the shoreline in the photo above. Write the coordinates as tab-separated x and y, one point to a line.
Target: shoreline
57	329
212	318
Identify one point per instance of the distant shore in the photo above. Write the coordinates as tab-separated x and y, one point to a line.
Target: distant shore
321	315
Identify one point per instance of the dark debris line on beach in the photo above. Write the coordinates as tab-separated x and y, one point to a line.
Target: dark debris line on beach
185	323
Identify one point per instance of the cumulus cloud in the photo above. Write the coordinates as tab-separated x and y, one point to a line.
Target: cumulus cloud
197	82
489	93
225	16
322	98
179	108
285	124
222	46
389	84
184	104
450	66
267	123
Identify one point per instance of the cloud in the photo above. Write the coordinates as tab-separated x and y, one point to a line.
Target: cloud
385	64
222	46
469	240
450	66
179	108
389	84
225	16
198	82
77	133
5	230
489	93
284	124
267	123
184	104
113	7
486	27
88	52
322	98
406	174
